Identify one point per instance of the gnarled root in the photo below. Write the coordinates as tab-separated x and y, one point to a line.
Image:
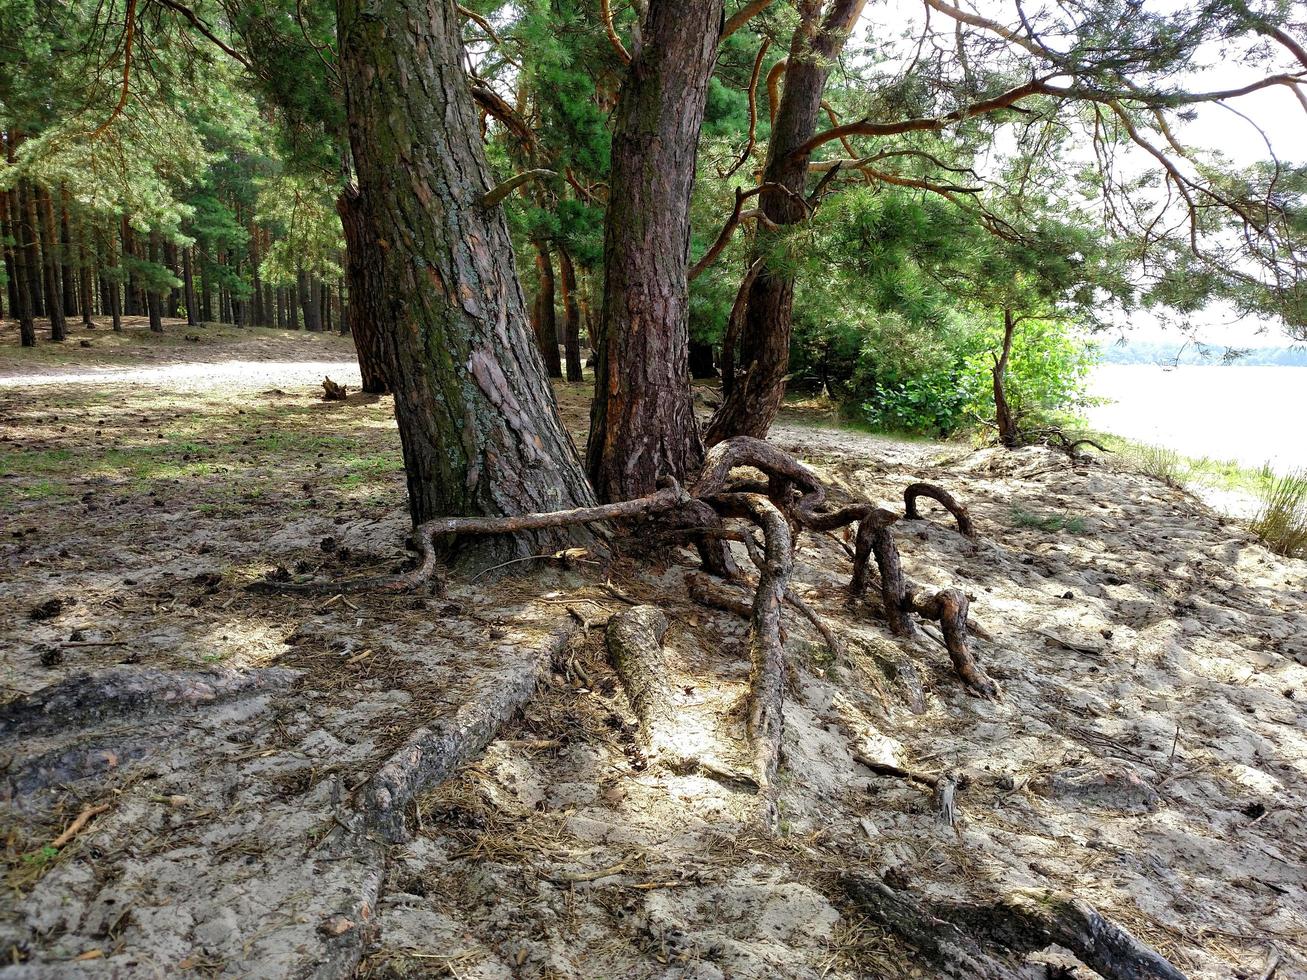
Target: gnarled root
946	499
949	607
669	497
984	940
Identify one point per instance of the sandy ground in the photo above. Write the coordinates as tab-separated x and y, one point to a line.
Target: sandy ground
1149	753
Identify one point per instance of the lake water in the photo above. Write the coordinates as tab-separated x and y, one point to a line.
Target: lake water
1251	414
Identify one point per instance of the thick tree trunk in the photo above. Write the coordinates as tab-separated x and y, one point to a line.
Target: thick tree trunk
477	417
50	257
154	297
16	229
755	397
364	275
546	319
1005	420
642	425
188	288
571	316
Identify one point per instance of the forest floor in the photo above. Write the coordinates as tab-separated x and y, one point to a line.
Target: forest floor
231	752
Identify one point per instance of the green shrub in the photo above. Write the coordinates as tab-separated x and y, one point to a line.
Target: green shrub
1281	521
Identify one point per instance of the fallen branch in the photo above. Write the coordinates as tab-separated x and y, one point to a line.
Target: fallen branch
78	824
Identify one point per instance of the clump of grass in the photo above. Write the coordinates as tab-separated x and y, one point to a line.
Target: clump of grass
1281	520
1071	523
1159	462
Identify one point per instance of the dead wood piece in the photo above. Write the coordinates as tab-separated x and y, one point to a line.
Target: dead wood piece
333	392
79	824
946	499
1015	925
86	698
708	591
635	638
432	754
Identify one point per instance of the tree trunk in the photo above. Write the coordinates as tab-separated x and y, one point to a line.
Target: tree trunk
174	300
16	255
68	271
50	256
154	297
642	424
477	417
1006	421
31	247
86	259
364	275
546	319
188	288
571	316
755	397
304	289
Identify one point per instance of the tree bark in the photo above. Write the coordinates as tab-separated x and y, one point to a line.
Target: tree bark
54	301
16	255
642	424
364	275
68	271
477	418
1006	421
31	247
188	287
571	316
86	259
755	397
154	297
308	302
546	318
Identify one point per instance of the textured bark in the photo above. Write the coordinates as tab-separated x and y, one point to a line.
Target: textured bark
154	297
571	316
545	320
1004	419
642	425
50	268
755	397
68	271
364	276
188	288
477	418
16	254
31	247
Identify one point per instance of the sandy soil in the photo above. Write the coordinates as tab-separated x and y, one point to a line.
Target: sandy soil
1149	753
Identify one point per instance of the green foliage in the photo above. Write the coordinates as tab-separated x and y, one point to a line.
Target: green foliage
1281	521
1071	523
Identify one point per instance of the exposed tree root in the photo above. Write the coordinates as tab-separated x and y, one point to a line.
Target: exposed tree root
985	941
426	535
946	499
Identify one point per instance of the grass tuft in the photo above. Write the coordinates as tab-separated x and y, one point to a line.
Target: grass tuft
1281	520
1071	523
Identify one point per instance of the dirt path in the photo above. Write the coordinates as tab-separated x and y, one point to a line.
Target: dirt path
1149	754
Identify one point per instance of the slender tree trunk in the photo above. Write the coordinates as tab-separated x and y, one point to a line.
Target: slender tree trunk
50	256
1006	421
546	319
304	286
68	271
258	316
113	258
571	316
86	259
642	425
756	397
188	287
31	248
364	273
154	297
477	419
16	228
174	301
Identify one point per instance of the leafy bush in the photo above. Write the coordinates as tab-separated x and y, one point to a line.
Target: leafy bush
1281	521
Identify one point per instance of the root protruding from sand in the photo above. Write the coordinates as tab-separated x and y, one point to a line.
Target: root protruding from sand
985	940
942	497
